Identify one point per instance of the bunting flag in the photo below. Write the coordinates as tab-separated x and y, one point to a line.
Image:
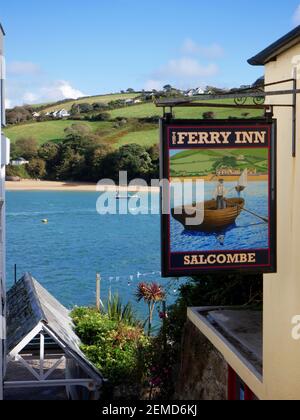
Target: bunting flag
133	279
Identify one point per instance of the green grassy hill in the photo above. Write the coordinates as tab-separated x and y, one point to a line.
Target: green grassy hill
200	162
149	109
49	130
145	135
144	138
90	100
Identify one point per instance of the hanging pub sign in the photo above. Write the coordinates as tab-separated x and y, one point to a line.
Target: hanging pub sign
218	196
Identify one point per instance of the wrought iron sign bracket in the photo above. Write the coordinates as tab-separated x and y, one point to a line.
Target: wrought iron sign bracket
241	96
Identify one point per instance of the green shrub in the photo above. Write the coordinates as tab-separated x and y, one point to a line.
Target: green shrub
102	116
19	171
116	311
115	348
36	168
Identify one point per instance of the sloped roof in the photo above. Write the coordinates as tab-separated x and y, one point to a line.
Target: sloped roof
29	304
24	311
272	51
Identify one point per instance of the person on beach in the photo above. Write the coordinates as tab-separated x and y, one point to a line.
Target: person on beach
220	194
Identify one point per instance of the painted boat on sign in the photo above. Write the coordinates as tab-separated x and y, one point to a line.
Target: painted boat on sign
214	219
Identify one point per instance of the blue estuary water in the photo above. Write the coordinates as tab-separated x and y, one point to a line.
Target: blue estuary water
65	254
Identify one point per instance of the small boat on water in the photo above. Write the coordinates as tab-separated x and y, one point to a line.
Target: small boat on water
123	197
119	196
214	219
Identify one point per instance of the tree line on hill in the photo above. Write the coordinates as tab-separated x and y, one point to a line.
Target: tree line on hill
19	114
97	111
82	156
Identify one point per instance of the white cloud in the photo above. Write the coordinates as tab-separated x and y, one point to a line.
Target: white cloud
21	68
29	84
40	92
296	16
60	90
154	85
213	51
187	68
186	71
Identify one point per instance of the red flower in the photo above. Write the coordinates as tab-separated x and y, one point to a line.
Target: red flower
150	292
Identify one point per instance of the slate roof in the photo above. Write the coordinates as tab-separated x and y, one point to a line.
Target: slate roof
29	304
24	311
272	51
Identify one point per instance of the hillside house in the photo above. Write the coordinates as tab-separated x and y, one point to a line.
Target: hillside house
19	162
194	92
190	93
60	114
129	101
199	91
227	171
241	158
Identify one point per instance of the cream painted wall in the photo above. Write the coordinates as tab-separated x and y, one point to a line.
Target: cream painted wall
282	290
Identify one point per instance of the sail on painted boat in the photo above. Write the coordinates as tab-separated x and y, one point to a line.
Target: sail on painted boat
243	181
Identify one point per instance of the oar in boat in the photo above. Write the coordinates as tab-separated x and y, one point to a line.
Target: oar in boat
264	219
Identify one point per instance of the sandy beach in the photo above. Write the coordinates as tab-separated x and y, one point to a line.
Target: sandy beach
33	185
213	178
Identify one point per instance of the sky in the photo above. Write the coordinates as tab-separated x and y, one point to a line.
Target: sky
70	49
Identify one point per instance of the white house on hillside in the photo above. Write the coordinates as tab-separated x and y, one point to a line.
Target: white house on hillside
129	101
19	162
199	91
62	113
194	92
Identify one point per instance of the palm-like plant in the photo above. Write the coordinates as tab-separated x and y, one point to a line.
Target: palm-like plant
150	293
116	311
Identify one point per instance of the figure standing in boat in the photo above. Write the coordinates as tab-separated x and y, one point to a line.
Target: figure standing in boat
220	195
220	212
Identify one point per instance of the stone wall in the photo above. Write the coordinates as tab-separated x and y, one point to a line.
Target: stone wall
204	372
